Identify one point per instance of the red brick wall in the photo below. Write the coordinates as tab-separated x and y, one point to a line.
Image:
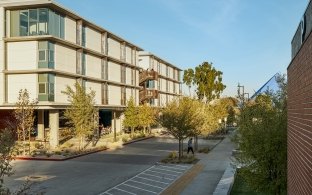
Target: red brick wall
299	127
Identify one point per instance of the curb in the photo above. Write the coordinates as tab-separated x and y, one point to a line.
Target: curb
79	155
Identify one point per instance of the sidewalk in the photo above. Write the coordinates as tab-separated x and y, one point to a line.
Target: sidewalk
205	181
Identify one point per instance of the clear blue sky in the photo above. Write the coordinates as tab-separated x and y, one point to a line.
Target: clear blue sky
249	40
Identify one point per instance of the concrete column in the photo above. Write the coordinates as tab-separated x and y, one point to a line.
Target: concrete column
54	128
40	126
114	118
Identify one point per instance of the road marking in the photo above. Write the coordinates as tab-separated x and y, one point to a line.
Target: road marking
165	175
156	176
172	167
145	184
152	180
162	173
139	188
124	191
168	170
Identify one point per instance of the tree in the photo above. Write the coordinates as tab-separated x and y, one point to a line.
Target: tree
24	115
262	139
177	117
82	113
146	116
131	116
208	81
188	78
6	156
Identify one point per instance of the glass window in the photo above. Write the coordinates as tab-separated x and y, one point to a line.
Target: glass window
51	56
43	22
42	55
24	23
62	27
33	20
83	64
83	36
42	88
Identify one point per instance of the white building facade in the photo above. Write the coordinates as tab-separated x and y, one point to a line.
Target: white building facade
44	47
159	79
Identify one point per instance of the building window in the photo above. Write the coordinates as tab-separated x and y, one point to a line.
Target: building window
150	84
42	56
46	54
46	87
83	39
83	64
152	102
104	94
39	21
42	88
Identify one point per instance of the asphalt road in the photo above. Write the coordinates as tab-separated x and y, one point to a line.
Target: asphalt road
94	173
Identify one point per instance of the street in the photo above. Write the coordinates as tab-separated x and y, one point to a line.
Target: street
94	173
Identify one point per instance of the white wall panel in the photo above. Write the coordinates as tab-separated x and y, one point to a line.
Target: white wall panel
114	72
128	54
163	85
95	87
113	48
65	58
114	95
70	29
22	55
93	68
128	93
22	81
128	75
60	85
93	39
144	62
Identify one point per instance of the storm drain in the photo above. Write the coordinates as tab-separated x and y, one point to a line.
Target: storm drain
153	180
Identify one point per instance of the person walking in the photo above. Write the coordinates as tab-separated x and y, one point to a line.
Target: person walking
190	146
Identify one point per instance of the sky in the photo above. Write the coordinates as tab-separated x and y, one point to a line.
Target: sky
248	40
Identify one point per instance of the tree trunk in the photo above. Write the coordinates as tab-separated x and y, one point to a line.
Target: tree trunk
196	143
179	149
190	90
132	132
182	147
144	130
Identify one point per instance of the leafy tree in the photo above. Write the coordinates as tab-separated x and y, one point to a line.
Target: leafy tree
188	78
82	113
262	139
6	156
24	115
177	117
131	116
147	116
208	81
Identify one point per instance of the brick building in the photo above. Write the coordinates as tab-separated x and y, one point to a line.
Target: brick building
299	128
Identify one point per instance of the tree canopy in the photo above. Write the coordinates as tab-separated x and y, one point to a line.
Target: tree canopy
207	79
262	139
82	113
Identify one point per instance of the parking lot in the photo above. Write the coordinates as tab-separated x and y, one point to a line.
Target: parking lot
152	181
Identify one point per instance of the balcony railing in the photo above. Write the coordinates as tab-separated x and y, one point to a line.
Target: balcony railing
148	75
146	94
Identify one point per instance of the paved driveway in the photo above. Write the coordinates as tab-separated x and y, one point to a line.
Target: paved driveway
94	173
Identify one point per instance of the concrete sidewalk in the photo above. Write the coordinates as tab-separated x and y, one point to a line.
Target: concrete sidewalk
205	182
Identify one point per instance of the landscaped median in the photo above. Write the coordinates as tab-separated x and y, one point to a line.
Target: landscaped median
68	150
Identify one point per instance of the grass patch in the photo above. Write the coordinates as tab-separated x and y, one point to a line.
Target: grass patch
240	187
174	158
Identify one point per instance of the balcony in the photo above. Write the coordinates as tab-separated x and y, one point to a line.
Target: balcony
146	94
147	75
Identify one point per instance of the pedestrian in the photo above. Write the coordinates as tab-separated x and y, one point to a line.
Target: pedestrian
190	146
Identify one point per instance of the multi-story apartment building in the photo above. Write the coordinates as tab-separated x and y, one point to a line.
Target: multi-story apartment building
160	80
44	47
